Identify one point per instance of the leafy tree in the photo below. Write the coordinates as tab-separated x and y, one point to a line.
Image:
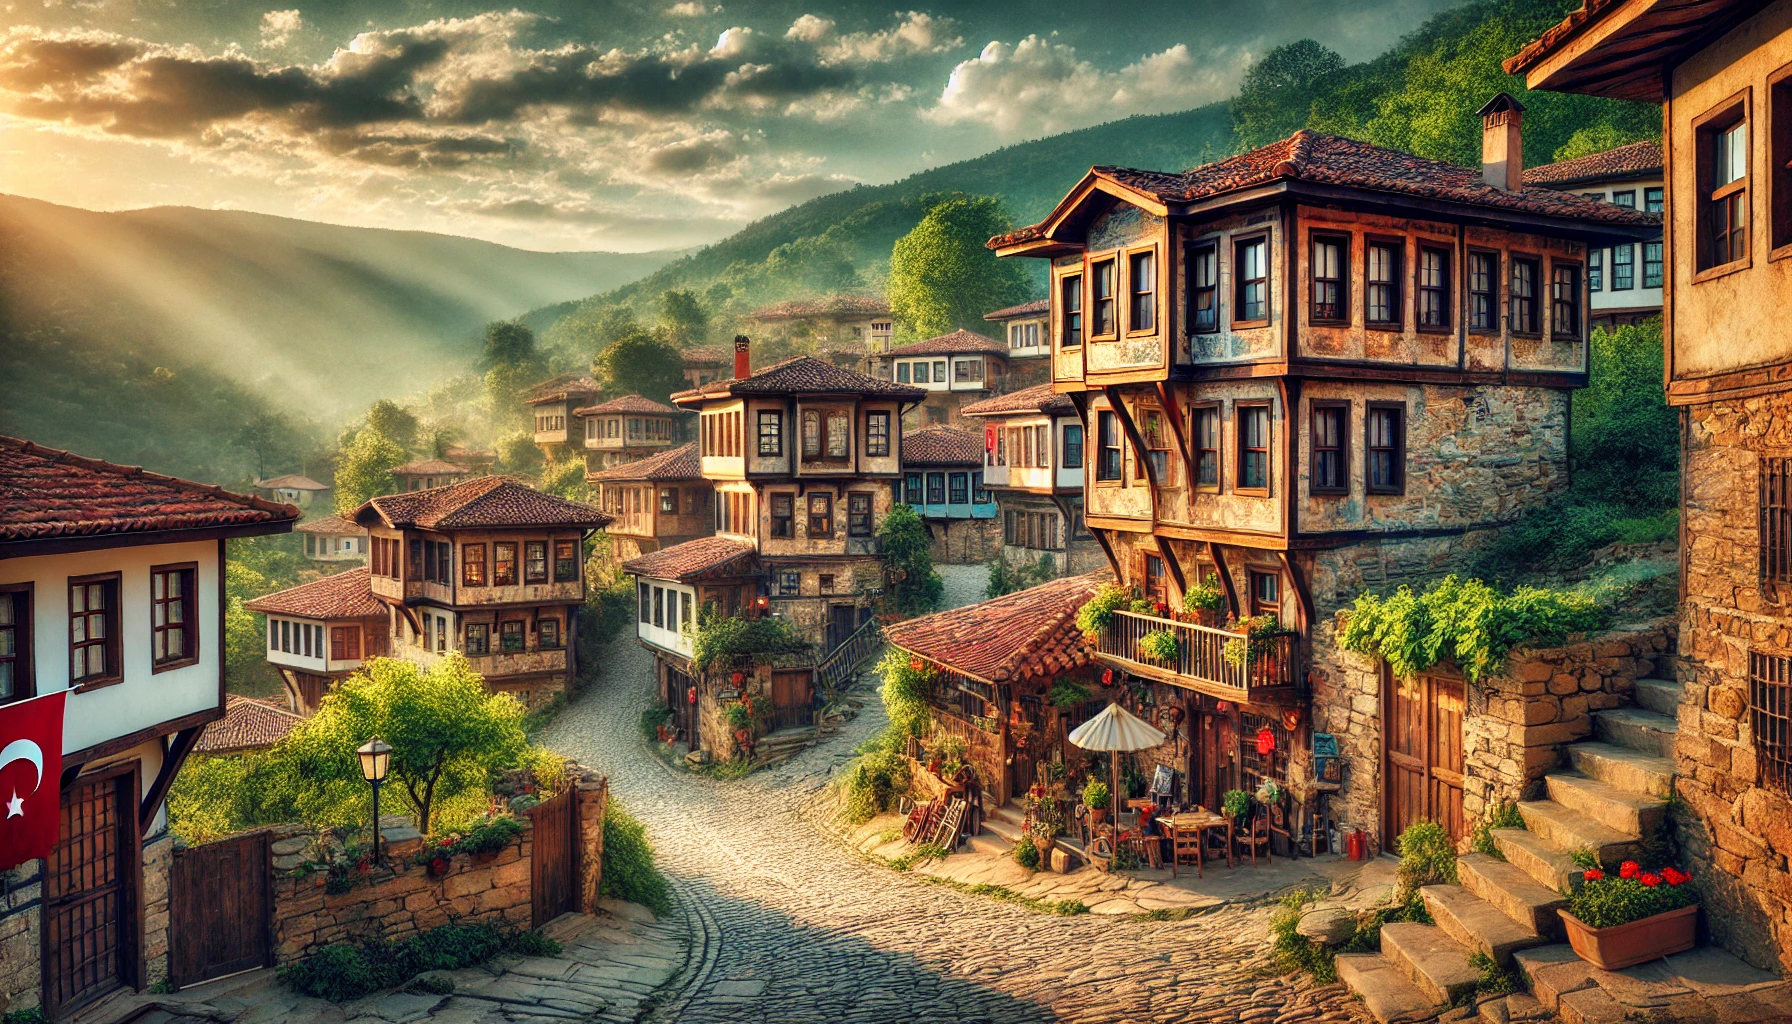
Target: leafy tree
911	586
565	479
393	422
683	322
1006	577
511	365
590	328
365	469
517	453
1625	444
641	364
942	275
1276	98
1597	138
269	440
507	343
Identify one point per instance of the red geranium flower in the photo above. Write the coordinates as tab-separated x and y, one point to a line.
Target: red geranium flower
1592	874
1650	879
1674	876
1629	869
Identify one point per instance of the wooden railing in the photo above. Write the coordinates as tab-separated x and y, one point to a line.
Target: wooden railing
845	659
1265	662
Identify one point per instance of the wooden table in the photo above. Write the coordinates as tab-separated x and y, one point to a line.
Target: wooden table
1197	822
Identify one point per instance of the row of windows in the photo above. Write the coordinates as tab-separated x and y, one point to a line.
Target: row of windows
94	651
818	507
438	634
637	500
1724	174
933	371
638	428
1652	198
942	488
1624	268
826	434
1030	447
549	421
307	640
664	607
1023	335
1141	304
1037	530
432	561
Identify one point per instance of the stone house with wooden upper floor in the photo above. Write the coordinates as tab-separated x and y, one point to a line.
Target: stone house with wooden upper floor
112	600
942	479
1625	279
292	489
706	363
1033	463
320	633
552	405
627	429
422	474
1027	328
857	324
654	503
333	539
954	370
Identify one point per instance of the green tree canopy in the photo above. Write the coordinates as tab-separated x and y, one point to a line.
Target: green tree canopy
507	343
911	586
1276	98
365	469
565	479
942	277
511	364
683	321
641	364
393	422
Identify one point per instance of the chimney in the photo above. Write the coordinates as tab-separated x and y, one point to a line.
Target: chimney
743	361
1502	143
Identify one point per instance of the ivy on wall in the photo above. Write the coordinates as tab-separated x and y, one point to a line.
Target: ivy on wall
1466	622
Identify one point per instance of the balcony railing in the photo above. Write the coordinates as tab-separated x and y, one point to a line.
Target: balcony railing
1263	667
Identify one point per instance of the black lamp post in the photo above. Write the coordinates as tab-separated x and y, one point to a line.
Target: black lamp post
376	757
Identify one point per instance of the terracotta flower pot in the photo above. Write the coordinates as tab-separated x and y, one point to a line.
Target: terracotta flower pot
438	867
1625	945
1098	814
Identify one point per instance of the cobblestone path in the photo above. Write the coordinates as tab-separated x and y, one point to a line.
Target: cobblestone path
789	925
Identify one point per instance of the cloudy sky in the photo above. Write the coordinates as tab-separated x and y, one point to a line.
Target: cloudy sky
590	124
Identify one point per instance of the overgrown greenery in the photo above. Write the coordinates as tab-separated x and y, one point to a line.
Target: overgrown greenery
1503	816
1427	857
1098	612
629	872
1160	645
1006	577
1068	693
1466	622
1026	854
911	586
342	971
1494	980
943	277
255	566
721	639
1294	951
874	781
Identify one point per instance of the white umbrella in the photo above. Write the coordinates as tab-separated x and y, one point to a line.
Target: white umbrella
1114	730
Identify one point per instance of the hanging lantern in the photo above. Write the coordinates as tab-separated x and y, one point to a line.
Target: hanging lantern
1290	719
690	695
1266	742
1107	677
737	678
1222	706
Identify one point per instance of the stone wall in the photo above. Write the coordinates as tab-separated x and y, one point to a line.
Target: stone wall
964	541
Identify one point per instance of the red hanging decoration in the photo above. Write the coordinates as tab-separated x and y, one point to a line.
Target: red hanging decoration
691	695
737	678
1107	677
1266	741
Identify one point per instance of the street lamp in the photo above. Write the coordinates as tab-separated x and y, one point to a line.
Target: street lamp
376	756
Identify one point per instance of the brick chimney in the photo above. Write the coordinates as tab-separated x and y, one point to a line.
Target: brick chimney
1502	142
743	360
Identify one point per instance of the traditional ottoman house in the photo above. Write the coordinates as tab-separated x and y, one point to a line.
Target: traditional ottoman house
627	429
1625	279
1033	463
654	503
1028	330
292	489
1313	369
702	365
489	568
954	370
111	589
942	478
248	724
476	461
333	539
320	633
1720	70
552	404
423	474
861	323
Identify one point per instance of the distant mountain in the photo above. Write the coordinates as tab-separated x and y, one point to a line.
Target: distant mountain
103	314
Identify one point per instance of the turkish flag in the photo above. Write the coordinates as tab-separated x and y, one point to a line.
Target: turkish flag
30	778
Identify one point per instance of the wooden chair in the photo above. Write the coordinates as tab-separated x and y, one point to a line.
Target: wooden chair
1184	845
1144	849
1258	836
1080	826
1218	844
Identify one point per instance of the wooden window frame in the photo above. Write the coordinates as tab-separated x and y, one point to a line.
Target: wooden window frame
1576	304
668	501
788	519
113	617
826	517
1495	280
1317	409
1779	155
859	521
472	565
1191	261
929	477
1240	282
1257	606
344	643
1133	296
1070	448
1446	288
551	624
774	418
189	628
1341	300
1239	409
1707	199
575	574
1397	305
877	443
1370	448
913	493
1538	282
1092	314
1070	287
24	653
521	632
530	576
1659	262
958	482
1160	447
1105	418
1198	449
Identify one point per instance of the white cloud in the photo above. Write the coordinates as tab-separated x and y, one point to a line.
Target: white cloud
692	9
278	28
1037	87
916	33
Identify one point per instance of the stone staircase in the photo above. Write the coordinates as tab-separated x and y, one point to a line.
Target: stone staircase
1002	825
783	744
1612	795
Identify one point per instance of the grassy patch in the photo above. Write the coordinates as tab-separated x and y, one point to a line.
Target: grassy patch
629	872
729	770
1504	816
919	855
1294	951
1063	908
1495	980
1171	914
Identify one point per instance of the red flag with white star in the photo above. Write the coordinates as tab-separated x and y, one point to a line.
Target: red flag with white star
30	778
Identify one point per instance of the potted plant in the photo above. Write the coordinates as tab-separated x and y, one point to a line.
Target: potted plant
1204	601
1635	917
1097	613
1159	645
1258	643
1237	805
740	716
1095	797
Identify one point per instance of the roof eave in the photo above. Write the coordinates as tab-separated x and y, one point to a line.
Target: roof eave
1542	223
65	543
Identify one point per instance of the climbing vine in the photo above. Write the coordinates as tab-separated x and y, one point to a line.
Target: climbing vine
1466	622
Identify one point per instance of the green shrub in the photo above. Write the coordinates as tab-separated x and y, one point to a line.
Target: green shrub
911	585
1097	612
1294	951
1026	854
1068	693
1006	579
336	972
651	720
1467	622
721	639
35	1015
628	869
1206	597
1495	980
1095	794
1160	645
489	836
904	692
738	716
1427	857
875	779
1236	803
1504	816
533	943
341	971
1259	640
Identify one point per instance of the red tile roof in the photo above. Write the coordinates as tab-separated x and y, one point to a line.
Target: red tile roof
1035	308
1577	21
1637	160
836	306
941	446
802	375
291	482
556	389
429	467
705	556
1333	160
959	341
1027	634
681	463
1038	398
708	356
470	455
248	724
336	526
627	403
346	595
46	492
488	501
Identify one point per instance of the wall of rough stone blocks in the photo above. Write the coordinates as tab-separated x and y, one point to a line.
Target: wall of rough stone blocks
964	541
21	891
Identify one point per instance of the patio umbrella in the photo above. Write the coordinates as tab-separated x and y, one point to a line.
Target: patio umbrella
1114	730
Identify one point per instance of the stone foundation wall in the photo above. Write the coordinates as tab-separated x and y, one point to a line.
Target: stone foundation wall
21	893
158	866
964	541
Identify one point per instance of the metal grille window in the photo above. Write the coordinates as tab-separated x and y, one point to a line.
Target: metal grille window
1483	297
1203	289
1770	716
1776	519
1434	288
1383	308
1330	428
1330	260
1071	326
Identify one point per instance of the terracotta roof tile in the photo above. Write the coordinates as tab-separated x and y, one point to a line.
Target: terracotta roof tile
1578	20
958	341
1639	159
1027	634
556	389
708	356
429	467
1035	308
802	375
1333	160
941	446
487	501
705	556
681	463
346	595
1038	398
838	305
336	526
291	482
627	403
248	724
46	492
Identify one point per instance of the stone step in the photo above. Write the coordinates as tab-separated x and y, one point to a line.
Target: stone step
1661	696
1637	729
1430	959
1551	972
1568	830
1623	768
1388	995
1520	897
1007	830
1630	813
984	842
1010	812
1476	923
1537	857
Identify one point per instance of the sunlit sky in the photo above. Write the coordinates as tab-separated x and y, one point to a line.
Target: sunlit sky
561	124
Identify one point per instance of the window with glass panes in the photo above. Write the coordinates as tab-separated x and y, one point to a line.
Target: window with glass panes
1652	199
566	552
1102	319
821	515
1253	447
1564	302
1525	316
936	488
1250	272
15	643
1596	269
504	564
1331	265
1070	326
783	512
1141	286
877	435
93	629
1107	441
1203	288
1651	264
1623	268
535	561
1330	452
1723	189
1382	299
1434	288
1204	435
510	636
1073	446
173	618
1483	290
911	489
548	630
771	432
472	565
960	489
1385	471
1626	198
858	514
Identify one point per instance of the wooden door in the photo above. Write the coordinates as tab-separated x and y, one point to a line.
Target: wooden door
1218	759
91	931
554	857
220	910
793	700
841	619
1422	739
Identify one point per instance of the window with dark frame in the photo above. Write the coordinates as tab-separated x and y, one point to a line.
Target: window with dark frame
1434	288
1157	585
1250	272
959	492
979	494
1331	269
547	631
93	630
1382	300
669	501
1253	447
1483	291
911	492
173	615
535	561
1721	156
790	584
1623	268
1073	446
1651	264
1265	593
811	433
821	514
1524	313
1595	269
472	565
1107	444
1070	291
442	631
510	636
877	435
858	514
566	555
771	433
1141	285
1770	718
936	488
1204	288
504	564
1774	476
1626	199
1385	459
783	510
1204	435
1331	425
1102	320
1564	304
15	643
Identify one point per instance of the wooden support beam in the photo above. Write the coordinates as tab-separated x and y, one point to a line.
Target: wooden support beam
1226	582
1304	596
1166	396
174	755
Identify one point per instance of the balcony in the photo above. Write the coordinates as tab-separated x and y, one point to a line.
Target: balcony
1268	671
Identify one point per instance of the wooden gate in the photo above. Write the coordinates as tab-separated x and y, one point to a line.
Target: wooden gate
91	932
554	859
793	700
220	910
1422	737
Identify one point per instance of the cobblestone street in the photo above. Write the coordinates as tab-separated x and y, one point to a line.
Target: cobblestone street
790	925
